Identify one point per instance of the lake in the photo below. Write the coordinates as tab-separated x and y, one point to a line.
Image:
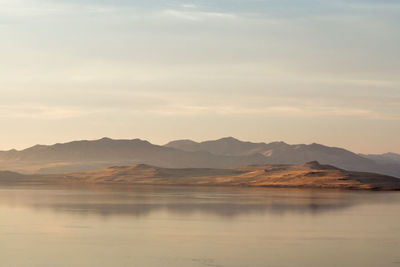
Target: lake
197	226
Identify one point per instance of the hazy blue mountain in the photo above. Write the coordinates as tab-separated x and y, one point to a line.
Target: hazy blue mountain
389	163
276	152
282	153
227	146
387	158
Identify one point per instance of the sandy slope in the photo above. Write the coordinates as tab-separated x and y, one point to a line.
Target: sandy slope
310	175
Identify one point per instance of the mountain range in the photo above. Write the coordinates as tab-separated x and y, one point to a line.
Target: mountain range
222	153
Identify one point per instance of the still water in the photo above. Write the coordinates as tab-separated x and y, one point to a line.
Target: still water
187	226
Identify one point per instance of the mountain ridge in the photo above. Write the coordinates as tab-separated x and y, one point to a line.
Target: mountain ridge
281	152
226	152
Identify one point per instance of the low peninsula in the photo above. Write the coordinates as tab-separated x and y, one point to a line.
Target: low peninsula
309	175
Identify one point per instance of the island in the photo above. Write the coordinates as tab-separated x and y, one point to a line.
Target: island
309	175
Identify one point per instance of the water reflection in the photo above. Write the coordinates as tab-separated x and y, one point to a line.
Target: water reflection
224	202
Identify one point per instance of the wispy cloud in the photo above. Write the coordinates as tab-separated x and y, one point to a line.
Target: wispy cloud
369	5
189	5
41	111
197	15
182	107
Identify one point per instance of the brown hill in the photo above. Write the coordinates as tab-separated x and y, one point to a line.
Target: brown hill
310	175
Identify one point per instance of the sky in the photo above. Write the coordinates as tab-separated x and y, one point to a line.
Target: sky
299	71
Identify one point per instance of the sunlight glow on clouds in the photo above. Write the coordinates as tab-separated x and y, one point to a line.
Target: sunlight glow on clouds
40	112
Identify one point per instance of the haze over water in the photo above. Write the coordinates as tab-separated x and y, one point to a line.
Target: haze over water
206	226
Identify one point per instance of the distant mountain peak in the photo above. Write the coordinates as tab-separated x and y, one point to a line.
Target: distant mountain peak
181	141
229	138
314	162
391	154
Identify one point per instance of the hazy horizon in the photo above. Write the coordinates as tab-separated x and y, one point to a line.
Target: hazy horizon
298	71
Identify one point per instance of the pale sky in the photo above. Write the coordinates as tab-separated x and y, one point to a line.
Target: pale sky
299	71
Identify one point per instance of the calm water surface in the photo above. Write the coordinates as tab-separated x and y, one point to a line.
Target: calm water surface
186	226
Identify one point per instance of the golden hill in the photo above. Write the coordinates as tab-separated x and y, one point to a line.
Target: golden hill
309	175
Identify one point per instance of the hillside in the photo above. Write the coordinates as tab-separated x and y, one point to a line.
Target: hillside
309	175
